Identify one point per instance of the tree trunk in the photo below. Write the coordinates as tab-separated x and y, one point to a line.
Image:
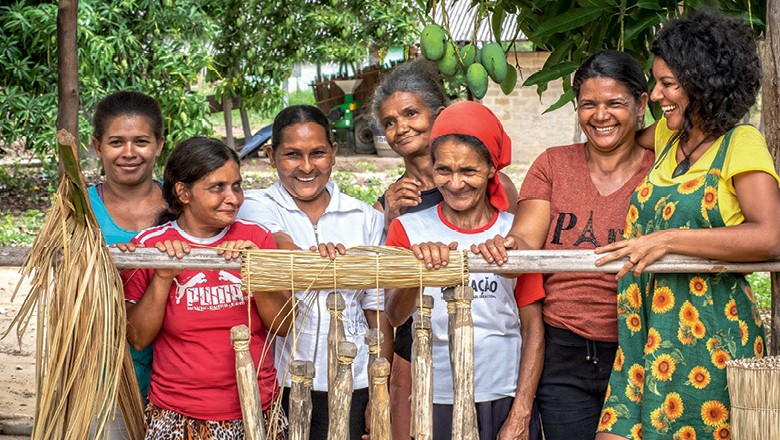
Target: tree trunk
245	124
68	79
771	116
227	110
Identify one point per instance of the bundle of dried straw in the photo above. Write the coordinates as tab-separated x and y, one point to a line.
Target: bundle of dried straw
754	389
81	360
364	267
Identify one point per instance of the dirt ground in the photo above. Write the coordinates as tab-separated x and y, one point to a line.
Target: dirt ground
17	364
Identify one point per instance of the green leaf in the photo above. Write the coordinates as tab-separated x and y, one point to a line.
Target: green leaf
548	74
497	20
559	54
568	21
567	97
645	23
649	4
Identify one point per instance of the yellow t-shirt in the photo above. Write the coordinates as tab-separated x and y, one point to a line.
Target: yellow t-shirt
747	152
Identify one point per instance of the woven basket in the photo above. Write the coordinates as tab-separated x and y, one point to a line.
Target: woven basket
754	389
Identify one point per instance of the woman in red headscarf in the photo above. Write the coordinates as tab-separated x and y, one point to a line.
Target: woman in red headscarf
468	147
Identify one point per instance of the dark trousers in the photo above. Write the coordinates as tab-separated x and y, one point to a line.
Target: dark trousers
319	413
490	417
573	384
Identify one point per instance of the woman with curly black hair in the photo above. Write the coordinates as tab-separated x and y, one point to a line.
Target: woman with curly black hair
712	193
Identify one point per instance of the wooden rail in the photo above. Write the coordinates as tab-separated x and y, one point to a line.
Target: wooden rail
519	262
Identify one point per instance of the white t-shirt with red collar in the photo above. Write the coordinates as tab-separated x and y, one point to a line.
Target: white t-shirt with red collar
194	362
494	310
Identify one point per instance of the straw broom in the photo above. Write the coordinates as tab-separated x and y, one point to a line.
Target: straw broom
754	390
77	292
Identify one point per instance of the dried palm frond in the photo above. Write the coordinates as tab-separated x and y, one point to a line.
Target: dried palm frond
364	267
77	292
754	390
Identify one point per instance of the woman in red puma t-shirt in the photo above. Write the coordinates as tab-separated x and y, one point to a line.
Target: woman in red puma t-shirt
187	314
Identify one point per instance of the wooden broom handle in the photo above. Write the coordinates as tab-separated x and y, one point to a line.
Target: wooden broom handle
301	376
246	378
334	302
380	401
461	338
374	342
338	423
422	380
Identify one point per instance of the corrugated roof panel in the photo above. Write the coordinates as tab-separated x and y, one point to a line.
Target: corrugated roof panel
461	22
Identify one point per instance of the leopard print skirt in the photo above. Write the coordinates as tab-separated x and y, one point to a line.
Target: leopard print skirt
170	425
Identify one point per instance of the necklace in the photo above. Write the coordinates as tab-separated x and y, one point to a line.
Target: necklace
685	164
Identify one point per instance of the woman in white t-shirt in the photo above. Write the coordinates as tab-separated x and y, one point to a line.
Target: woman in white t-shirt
305	209
468	147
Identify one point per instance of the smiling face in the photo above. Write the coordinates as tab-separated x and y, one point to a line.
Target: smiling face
304	160
212	202
128	149
608	114
669	94
407	121
462	175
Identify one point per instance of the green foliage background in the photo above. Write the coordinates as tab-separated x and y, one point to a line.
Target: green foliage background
572	30
160	47
144	45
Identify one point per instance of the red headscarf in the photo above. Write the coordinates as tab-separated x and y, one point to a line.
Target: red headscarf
474	119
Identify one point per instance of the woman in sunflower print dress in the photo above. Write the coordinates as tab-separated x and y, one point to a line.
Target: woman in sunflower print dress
712	193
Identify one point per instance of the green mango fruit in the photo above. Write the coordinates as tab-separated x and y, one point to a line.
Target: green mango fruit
509	83
477	80
494	60
468	54
432	42
448	64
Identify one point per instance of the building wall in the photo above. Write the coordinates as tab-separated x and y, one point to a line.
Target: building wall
521	112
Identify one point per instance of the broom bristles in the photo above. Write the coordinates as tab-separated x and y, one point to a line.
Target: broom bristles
754	391
78	295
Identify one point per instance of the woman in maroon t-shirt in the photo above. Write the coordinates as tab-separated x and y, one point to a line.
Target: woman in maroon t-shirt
576	197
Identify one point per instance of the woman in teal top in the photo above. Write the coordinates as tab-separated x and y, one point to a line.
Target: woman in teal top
712	193
128	137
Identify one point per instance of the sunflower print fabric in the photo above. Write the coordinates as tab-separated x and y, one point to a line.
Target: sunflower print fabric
677	331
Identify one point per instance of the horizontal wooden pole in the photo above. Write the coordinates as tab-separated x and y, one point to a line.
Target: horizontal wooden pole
519	262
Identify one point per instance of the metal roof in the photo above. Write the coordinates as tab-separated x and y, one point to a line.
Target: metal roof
461	22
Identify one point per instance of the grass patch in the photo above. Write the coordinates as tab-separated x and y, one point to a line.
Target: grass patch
367	190
20	230
761	285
